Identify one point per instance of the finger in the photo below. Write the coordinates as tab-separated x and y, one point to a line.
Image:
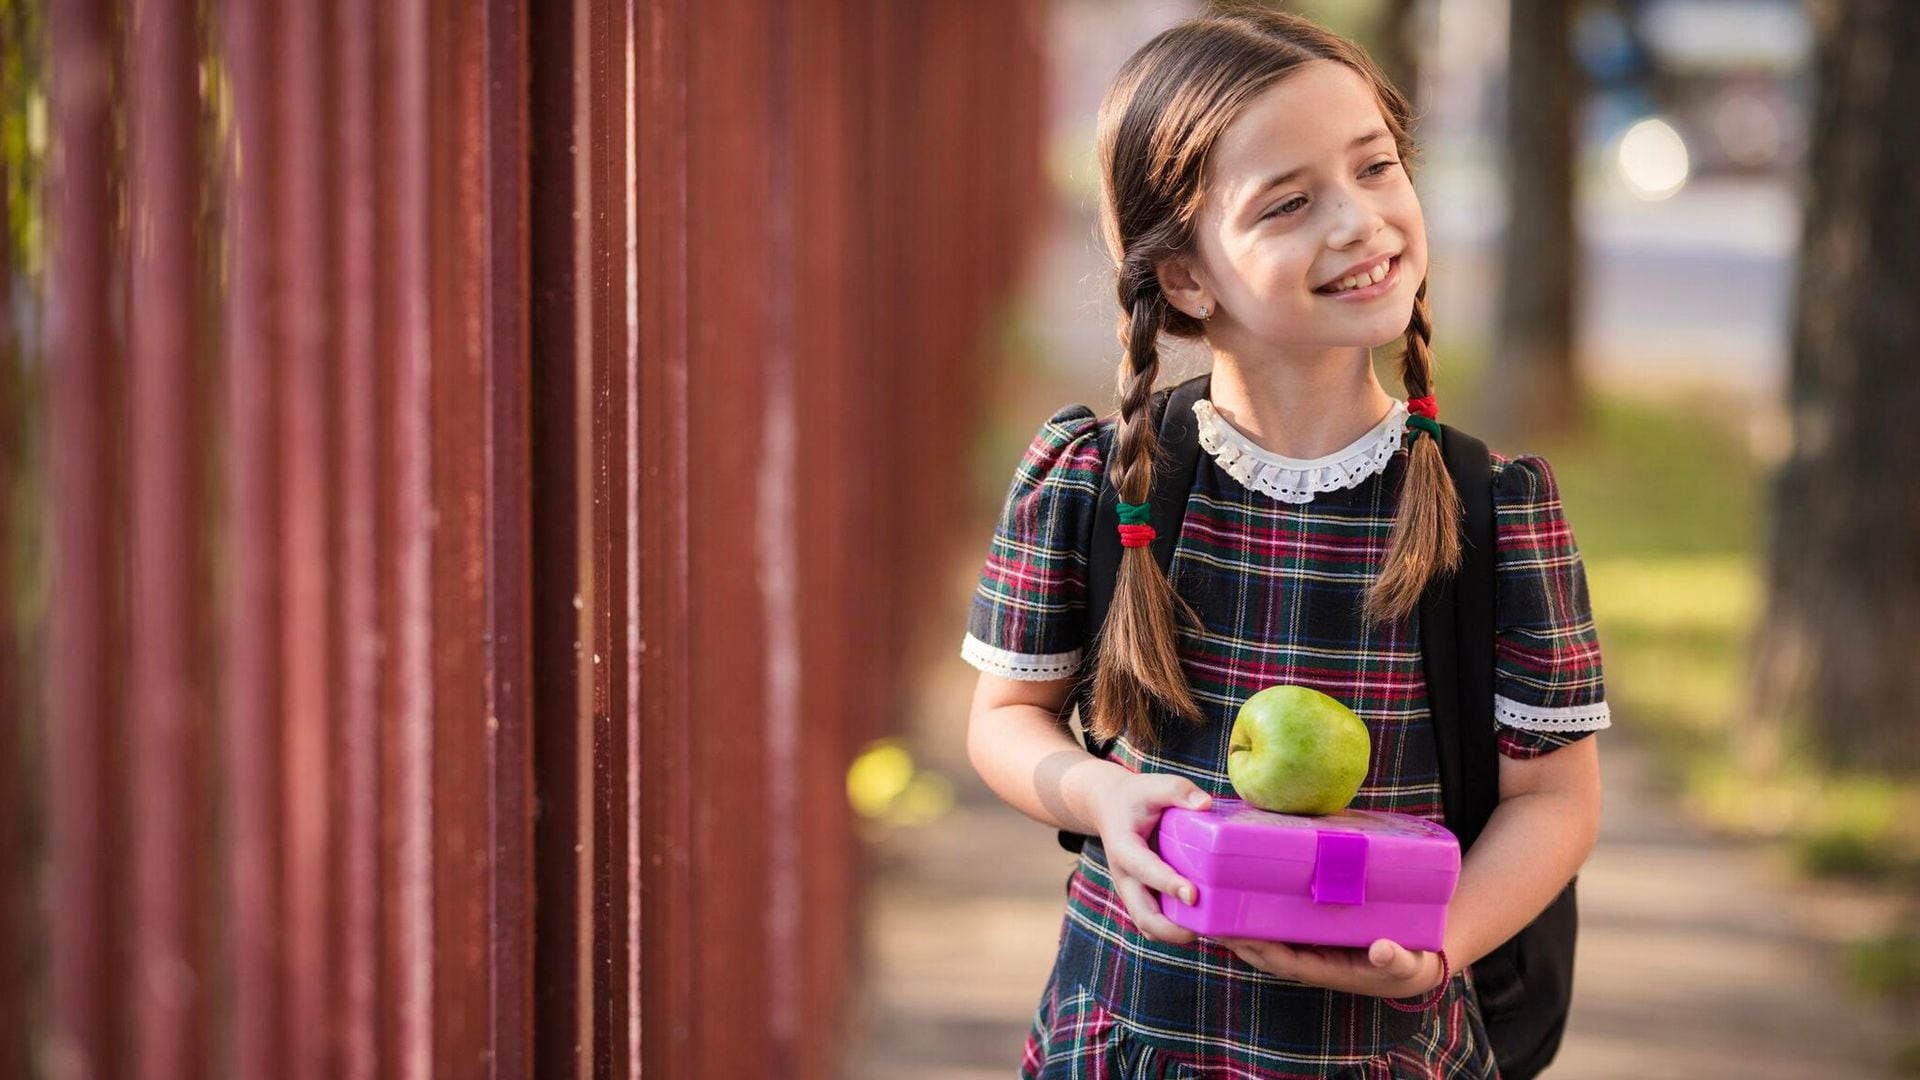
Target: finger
1391	958
1243	949
1180	791
1250	951
1269	956
1334	968
1139	861
1144	908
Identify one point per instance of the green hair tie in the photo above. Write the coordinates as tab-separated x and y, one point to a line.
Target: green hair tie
1416	425
1134	513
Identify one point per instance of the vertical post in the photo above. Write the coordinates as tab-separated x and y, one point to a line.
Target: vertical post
170	975
303	504
664	449
87	1013
509	551
360	378
251	686
561	587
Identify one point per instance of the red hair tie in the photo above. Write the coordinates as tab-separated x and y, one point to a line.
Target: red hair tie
1423	419
1136	529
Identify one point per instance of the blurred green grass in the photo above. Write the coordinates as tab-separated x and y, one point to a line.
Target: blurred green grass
1668	507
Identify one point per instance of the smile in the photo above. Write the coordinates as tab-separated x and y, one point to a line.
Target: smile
1376	282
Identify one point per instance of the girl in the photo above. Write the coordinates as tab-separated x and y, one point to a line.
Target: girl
1255	194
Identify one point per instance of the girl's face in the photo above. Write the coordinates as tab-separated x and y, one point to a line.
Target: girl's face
1306	189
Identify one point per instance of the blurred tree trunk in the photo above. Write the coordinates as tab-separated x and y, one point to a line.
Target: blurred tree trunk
1531	386
1395	53
1839	653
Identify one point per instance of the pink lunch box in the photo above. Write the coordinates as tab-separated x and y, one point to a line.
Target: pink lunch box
1342	879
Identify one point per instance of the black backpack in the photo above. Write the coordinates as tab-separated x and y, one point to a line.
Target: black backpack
1525	986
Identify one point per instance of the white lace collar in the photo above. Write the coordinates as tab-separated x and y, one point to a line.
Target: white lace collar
1297	480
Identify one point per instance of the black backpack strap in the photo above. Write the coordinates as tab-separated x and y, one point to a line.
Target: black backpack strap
1456	634
1525	984
1174	462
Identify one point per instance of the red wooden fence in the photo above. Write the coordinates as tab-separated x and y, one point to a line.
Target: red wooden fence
470	469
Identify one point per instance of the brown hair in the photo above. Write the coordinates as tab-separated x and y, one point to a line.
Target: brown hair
1157	127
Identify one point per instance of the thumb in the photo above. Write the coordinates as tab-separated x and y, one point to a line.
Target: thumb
1180	791
1389	957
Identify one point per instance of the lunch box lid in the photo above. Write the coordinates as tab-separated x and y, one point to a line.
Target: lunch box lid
1391	841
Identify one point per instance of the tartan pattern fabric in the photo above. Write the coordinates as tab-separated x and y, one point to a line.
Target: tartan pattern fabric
1118	1004
1278	587
1078	1038
1548	689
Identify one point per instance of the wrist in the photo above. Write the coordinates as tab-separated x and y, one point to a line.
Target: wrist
1082	786
1458	950
1435	983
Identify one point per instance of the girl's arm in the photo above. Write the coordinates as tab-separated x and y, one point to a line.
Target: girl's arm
1539	836
1537	839
1023	751
1029	758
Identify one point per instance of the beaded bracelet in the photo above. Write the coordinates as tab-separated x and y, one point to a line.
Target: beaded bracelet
1432	999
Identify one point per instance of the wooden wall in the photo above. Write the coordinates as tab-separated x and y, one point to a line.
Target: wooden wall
473	468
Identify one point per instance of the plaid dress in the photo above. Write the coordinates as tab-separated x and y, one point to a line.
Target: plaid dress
1274	554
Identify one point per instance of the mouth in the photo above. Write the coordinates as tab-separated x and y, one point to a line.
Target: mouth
1377	282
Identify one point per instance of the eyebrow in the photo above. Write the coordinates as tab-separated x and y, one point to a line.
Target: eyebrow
1276	181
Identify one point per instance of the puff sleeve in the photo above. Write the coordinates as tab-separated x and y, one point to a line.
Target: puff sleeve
1548	690
1028	618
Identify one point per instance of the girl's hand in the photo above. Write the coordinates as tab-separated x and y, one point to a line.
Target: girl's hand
1126	812
1385	969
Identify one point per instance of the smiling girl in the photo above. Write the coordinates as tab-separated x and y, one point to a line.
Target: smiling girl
1255	195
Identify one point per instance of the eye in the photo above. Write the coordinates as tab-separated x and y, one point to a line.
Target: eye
1282	208
1378	167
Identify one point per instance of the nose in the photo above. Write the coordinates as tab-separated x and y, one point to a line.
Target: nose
1355	221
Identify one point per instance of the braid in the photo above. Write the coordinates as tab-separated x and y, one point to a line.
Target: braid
1135	440
1416	364
1425	538
1138	659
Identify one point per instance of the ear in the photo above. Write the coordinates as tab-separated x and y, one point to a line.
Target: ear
1180	281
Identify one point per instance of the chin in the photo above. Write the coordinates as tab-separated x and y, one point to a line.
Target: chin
1388	330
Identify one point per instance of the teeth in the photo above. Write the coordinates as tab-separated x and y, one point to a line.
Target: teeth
1370	277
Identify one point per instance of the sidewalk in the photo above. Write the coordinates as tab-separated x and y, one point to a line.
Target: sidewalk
1698	958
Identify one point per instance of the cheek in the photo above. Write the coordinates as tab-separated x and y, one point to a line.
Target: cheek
1276	268
1413	225
1416	260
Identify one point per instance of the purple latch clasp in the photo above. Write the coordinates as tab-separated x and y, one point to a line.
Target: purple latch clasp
1340	868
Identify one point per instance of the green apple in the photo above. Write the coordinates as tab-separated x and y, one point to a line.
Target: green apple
1295	750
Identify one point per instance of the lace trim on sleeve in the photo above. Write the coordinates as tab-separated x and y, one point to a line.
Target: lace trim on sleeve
1030	667
1536	718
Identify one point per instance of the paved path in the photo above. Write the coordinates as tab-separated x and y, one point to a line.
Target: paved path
1698	958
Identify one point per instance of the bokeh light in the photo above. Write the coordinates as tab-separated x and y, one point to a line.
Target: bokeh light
1653	159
